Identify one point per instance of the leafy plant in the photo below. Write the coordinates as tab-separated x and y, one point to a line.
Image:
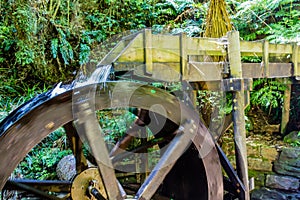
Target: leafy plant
114	123
293	140
268	95
40	163
277	21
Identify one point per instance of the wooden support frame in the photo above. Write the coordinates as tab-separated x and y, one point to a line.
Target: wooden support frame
163	57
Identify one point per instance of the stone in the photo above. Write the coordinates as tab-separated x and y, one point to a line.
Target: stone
288	162
287	168
259	164
259	178
292	137
66	168
267	194
253	150
269	153
282	182
290	153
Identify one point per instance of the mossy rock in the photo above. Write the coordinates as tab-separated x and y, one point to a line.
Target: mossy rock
293	138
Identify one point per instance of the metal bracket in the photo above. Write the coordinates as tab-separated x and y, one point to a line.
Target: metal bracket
235	84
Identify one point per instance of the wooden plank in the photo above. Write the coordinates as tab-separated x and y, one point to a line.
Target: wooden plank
119	49
165	55
169	72
203	71
280	49
276	70
160	41
280	70
158	55
255	48
253	70
204	46
134	52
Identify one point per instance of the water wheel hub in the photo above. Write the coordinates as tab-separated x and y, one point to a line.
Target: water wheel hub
85	182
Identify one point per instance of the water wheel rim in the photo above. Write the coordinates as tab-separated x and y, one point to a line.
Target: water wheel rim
42	119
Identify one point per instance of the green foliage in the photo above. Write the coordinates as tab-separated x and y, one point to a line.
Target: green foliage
213	106
8	103
41	162
278	21
114	123
293	141
268	95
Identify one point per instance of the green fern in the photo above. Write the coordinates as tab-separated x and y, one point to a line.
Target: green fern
268	95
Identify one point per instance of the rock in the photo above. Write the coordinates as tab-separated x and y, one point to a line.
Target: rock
269	153
292	137
259	164
66	168
286	168
282	182
267	194
288	162
290	153
271	128
253	149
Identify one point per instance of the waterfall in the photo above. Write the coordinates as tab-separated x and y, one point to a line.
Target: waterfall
100	75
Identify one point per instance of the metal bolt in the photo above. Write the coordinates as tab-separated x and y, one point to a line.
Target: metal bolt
50	125
230	80
234	108
231	88
234	100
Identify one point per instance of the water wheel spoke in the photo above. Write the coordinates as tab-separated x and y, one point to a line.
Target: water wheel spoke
175	149
87	123
76	146
139	149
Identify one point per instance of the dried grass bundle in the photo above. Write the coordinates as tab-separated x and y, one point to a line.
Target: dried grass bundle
217	20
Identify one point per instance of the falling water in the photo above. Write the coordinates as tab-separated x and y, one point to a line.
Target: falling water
100	75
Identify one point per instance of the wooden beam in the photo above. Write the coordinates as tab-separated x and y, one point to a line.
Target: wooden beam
234	55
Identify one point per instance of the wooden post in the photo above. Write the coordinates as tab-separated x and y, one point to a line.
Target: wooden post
234	56
295	61
285	116
148	51
266	58
183	55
